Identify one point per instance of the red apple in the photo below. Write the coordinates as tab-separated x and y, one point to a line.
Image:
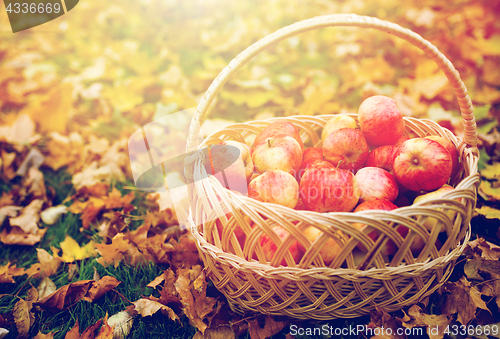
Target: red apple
346	148
279	128
380	120
422	164
238	231
269	246
376	184
382	157
451	149
430	223
310	156
327	189
383	205
277	187
336	123
278	153
400	141
228	166
330	248
245	155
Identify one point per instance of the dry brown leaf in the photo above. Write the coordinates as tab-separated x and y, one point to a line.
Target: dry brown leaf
49	335
99	288
113	253
47	264
270	328
52	214
196	305
45	288
157	281
186	253
221	332
74	333
464	299
28	219
491	288
21	316
147	307
435	325
89	332
8	211
16	236
106	331
20	131
122	323
8	271
35	184
66	295
485	249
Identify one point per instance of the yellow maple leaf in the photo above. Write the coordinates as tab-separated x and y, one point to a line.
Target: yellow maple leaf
71	251
489	212
51	112
114	252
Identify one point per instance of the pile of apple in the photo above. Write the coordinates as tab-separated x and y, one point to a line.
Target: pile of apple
367	166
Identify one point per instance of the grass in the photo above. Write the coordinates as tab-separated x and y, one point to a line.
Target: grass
133	280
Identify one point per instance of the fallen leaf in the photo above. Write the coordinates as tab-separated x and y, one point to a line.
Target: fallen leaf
473	266
106	331
491	287
34	159
74	333
100	287
45	288
8	211
122	323
89	332
21	318
47	264
463	299
16	236
66	295
270	328
71	251
221	332
196	305
491	171
58	102
146	307
20	131
486	249
157	281
92	175
114	252
28	219
435	325
52	214
8	271
40	335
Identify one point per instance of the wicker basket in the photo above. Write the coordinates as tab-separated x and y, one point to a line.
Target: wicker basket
350	286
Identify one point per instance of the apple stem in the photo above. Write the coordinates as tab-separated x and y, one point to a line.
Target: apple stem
269	142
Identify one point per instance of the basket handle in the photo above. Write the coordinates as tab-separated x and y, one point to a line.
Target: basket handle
466	109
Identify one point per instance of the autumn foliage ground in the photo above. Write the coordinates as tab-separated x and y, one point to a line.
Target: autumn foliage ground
84	254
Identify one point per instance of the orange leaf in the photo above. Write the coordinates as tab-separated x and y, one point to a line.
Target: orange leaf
270	328
21	318
66	295
74	333
464	299
8	271
147	307
100	287
435	324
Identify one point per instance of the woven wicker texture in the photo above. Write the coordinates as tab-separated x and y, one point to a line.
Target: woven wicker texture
354	282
